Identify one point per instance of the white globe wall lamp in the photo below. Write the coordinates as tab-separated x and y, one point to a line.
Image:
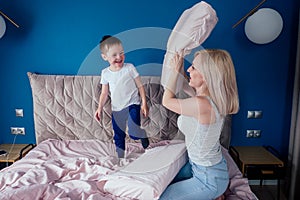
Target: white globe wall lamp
3	24
262	25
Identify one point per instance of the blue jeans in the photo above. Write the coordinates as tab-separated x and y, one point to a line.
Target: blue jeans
120	119
198	182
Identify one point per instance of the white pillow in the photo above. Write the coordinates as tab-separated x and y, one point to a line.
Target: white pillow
149	175
191	30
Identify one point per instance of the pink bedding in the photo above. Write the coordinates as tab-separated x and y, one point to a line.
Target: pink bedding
88	169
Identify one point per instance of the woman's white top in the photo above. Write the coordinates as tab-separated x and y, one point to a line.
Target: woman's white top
122	87
202	140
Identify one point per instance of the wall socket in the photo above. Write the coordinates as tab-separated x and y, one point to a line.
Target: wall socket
253	133
17	130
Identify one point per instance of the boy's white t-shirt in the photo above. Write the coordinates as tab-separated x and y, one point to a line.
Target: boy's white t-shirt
122	87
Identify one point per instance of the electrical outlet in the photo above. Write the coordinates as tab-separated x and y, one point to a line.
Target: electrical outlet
256	133
253	133
250	133
17	130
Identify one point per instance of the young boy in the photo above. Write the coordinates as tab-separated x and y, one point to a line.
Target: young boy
126	89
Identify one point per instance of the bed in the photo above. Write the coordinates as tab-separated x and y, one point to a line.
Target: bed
75	156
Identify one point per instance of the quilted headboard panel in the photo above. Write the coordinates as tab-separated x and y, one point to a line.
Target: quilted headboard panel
64	107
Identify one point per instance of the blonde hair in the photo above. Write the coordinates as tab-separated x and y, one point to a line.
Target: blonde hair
107	41
218	71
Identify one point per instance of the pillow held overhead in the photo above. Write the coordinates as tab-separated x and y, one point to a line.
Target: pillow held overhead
191	30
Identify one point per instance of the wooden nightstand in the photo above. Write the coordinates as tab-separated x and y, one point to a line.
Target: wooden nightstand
14	153
256	162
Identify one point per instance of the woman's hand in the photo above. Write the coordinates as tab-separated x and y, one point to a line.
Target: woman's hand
177	62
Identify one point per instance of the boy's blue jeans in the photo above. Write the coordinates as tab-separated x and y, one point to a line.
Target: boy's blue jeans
198	182
128	116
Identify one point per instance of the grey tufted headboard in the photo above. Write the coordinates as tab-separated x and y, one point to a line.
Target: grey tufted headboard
64	108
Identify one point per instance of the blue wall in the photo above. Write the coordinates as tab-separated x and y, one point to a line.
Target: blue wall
61	37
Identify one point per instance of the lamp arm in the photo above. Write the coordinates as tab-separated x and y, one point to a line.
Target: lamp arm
9	19
249	13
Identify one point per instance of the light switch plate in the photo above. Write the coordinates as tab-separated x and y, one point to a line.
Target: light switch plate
254	114
258	114
19	113
250	114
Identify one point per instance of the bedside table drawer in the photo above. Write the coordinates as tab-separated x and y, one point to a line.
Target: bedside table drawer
264	171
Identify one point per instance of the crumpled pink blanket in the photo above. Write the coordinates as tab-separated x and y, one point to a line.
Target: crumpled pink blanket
191	30
74	169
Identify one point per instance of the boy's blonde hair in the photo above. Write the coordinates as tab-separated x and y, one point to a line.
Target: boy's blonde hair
218	71
107	41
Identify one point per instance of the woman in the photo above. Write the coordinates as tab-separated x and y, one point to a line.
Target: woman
212	77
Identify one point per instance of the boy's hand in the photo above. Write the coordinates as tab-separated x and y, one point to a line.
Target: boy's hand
144	109
98	114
